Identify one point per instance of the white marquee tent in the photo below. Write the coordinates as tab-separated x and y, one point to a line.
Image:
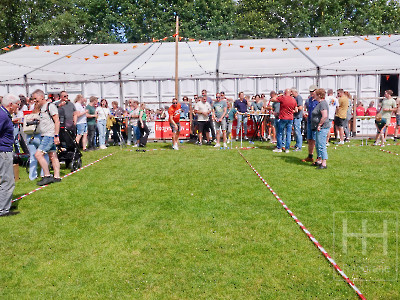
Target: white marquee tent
146	71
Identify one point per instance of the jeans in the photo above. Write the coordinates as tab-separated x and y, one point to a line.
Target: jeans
91	136
284	125
101	125
136	133
297	132
240	119
320	143
33	145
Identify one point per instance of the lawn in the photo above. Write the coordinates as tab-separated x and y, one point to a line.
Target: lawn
198	223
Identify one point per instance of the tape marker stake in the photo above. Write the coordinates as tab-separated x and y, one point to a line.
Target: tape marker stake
69	174
310	236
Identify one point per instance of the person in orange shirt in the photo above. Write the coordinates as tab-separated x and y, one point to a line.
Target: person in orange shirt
174	113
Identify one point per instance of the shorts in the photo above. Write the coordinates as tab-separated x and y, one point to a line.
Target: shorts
311	134
204	125
47	144
398	120
339	122
81	128
220	125
174	128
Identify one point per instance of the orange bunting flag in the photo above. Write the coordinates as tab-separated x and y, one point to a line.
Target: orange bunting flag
48	51
295	48
125	50
219	44
262	49
68	56
5	49
164	39
209	43
389	35
144	44
307	48
155	41
106	54
318	47
366	39
330	45
273	49
116	52
133	47
284	49
57	53
180	38
200	41
229	45
355	42
175	35
37	47
26	45
191	40
377	38
341	44
241	46
95	56
87	58
251	48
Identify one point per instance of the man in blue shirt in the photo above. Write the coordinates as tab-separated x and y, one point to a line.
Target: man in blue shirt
241	106
311	103
10	105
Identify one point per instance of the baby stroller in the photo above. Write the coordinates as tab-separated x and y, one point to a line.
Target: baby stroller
68	150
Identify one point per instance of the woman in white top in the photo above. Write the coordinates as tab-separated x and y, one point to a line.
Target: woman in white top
81	123
102	113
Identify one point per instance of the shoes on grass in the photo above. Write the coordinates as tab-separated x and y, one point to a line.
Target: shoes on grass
320	167
277	150
308	159
45	181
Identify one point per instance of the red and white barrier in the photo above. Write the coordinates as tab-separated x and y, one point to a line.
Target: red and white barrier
69	174
310	236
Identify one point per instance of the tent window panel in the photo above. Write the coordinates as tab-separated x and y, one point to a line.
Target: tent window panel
368	82
266	85
304	84
93	89
328	82
150	88
227	86
131	89
188	88
167	89
349	83
247	85
286	82
111	89
208	85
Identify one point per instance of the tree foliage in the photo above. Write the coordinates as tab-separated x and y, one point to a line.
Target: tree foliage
110	21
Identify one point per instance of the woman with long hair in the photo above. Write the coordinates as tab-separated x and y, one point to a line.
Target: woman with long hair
102	113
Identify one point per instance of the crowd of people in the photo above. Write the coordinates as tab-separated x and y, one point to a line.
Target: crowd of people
283	117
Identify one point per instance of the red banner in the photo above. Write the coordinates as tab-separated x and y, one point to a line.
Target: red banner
163	130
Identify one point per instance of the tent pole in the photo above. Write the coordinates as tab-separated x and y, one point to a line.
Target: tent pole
26	85
121	91
176	57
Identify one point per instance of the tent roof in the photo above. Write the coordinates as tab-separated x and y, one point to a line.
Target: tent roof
203	59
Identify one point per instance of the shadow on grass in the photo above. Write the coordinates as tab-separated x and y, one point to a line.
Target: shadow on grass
293	160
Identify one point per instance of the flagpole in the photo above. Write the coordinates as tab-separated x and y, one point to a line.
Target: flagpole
176	57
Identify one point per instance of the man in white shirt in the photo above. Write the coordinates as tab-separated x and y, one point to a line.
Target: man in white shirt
332	104
203	109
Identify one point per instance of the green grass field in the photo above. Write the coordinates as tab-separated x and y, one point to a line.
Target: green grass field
199	224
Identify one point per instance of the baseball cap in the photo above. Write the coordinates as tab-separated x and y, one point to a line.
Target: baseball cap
312	88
